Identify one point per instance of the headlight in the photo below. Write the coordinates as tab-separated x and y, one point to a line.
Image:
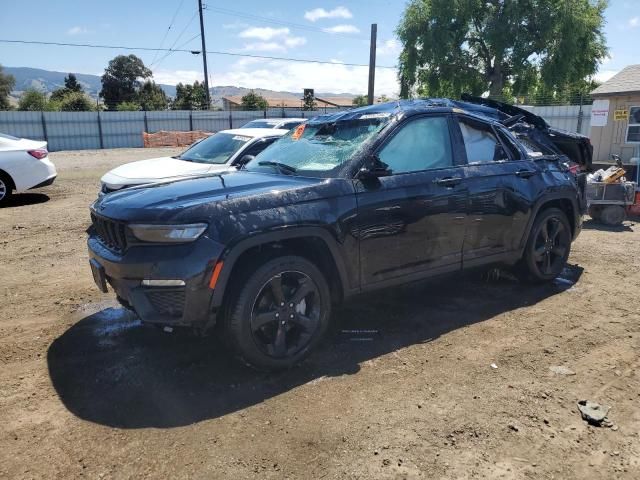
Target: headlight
168	233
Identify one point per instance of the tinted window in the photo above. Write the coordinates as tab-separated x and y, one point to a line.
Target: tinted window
422	144
260	124
259	146
480	142
216	149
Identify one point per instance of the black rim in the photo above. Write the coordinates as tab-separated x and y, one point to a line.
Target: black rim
286	314
550	246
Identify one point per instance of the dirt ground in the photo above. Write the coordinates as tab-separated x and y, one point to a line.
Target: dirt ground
404	388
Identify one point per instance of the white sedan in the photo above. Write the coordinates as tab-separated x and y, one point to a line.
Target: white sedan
24	164
221	151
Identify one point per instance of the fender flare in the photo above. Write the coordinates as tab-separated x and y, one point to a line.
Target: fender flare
549	197
232	253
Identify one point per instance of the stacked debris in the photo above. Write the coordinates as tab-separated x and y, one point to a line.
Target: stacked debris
172	139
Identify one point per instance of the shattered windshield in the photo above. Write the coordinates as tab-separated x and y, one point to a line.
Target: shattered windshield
317	148
216	149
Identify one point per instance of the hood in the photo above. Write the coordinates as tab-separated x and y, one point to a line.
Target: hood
152	170
198	199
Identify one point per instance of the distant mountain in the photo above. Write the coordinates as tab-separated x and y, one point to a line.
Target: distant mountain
47	81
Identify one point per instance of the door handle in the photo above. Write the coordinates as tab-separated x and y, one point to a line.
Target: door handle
448	181
525	173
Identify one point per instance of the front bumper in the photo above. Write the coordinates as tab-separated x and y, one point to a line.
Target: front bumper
188	305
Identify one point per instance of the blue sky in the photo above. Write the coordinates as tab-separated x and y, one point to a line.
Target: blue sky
331	31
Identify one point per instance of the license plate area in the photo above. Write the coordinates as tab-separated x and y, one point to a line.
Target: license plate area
99	276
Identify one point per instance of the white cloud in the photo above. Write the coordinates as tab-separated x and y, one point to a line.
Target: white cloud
273	39
391	47
77	31
293	77
634	22
294	41
319	13
604	75
174	77
264	33
279	75
342	29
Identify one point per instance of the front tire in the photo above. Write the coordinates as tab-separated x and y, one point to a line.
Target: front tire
280	313
548	247
5	189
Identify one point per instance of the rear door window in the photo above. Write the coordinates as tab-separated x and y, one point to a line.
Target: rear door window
480	142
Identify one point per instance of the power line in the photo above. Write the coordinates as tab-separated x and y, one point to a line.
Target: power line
171	49
212	52
249	16
173	19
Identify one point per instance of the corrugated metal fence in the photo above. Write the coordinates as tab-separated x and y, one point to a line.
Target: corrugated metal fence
94	130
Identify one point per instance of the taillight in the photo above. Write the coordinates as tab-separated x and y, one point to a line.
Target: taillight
40	153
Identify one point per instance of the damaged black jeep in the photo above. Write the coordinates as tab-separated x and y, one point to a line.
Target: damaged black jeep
346	203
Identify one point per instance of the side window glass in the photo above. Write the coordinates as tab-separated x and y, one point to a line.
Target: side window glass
480	142
259	146
422	144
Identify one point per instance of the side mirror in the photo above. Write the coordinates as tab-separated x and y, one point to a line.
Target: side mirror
374	170
244	160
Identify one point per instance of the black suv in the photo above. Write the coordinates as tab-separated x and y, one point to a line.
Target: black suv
346	203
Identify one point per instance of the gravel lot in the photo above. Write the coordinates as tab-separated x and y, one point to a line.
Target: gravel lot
86	391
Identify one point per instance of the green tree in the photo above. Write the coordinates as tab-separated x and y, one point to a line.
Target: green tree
499	46
190	97
127	107
75	102
121	80
33	101
152	97
7	82
309	101
254	101
70	85
360	101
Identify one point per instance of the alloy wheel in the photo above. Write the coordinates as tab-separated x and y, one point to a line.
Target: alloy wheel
550	246
286	314
3	189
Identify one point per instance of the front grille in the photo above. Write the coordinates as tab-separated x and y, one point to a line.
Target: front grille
169	302
111	234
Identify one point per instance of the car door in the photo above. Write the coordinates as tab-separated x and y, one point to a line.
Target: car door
495	177
411	222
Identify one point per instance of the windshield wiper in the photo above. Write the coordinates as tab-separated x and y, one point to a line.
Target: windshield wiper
281	166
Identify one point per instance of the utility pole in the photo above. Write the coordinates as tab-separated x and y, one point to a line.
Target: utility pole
204	55
372	62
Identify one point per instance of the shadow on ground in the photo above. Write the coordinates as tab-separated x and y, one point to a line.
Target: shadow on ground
24	199
110	369
591	224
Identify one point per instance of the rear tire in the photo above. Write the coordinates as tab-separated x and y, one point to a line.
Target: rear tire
613	215
279	314
548	247
6	189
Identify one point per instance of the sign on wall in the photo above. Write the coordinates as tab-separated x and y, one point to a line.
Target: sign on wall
620	115
600	113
